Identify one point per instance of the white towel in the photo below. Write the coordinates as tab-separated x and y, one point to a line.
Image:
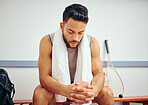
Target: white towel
60	67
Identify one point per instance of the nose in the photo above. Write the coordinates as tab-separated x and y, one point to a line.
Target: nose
75	37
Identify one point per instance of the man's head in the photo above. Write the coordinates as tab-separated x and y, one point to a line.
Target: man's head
75	18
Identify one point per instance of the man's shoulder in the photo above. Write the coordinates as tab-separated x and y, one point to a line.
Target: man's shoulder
44	39
94	40
95	48
45	44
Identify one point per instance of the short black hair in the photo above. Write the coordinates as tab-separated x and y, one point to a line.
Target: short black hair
77	12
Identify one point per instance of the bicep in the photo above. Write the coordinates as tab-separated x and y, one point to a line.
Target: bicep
97	66
44	61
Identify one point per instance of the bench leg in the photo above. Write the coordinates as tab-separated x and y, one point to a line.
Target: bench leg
125	103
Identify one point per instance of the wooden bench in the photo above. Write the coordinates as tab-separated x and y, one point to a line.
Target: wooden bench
135	99
125	100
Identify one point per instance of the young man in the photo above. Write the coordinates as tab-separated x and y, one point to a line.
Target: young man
80	90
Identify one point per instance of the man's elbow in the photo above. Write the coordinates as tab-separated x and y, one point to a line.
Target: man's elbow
42	81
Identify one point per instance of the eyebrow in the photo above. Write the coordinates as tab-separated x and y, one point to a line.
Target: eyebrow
74	31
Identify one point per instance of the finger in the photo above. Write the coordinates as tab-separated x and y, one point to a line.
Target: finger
81	89
85	84
86	94
83	95
77	101
77	83
81	103
89	99
90	94
78	96
89	86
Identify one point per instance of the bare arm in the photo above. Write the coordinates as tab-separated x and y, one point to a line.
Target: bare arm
45	69
97	68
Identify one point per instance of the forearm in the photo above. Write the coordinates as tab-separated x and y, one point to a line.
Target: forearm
52	85
98	82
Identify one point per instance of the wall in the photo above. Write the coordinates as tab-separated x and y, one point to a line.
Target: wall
123	22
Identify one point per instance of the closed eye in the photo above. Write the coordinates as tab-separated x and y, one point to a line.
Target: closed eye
70	32
81	33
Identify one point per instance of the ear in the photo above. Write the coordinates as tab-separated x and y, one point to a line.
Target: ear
61	26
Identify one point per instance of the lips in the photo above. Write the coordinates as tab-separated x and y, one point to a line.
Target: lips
73	43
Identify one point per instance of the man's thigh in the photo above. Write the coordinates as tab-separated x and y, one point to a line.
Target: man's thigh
45	94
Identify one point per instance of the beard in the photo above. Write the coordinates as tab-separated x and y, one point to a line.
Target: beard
68	42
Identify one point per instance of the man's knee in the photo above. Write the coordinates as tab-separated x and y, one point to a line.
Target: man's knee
105	97
107	92
41	93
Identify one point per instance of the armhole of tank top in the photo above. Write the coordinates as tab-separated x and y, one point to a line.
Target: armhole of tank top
51	38
90	40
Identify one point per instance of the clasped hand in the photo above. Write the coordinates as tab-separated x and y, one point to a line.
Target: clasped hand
82	93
